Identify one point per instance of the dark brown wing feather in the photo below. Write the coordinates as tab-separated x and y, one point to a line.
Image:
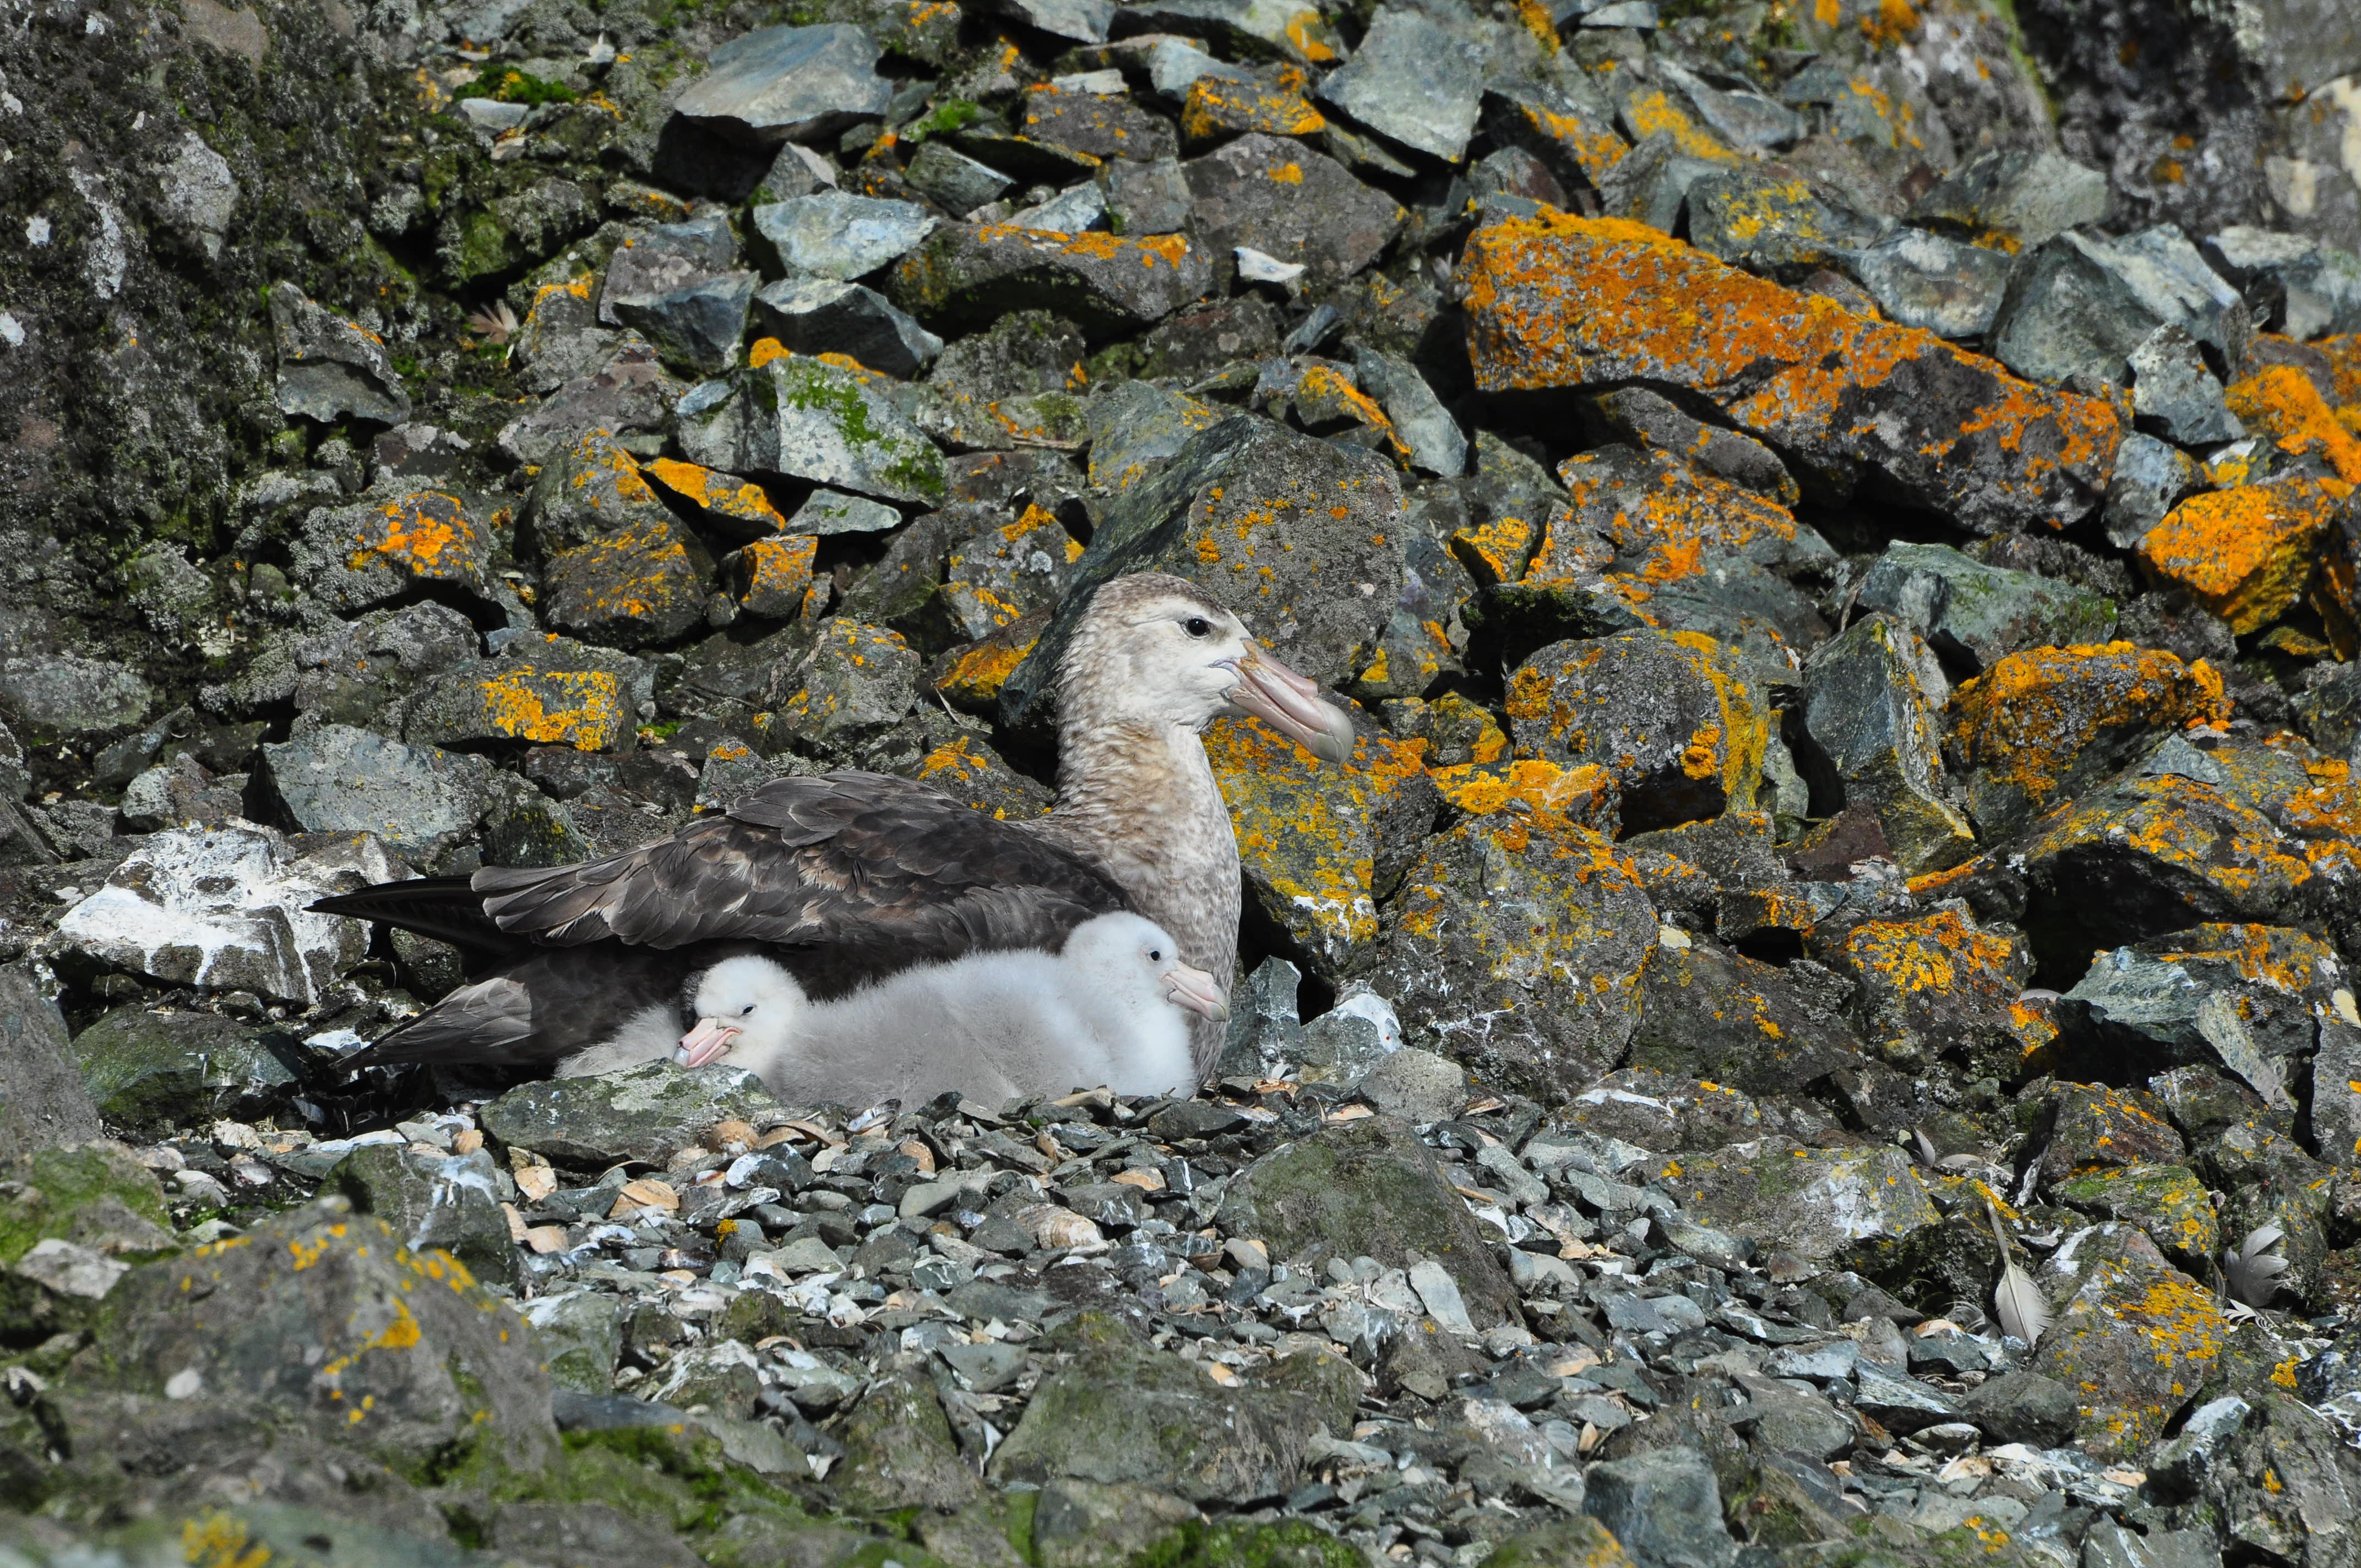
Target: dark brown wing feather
441	906
540	1009
856	860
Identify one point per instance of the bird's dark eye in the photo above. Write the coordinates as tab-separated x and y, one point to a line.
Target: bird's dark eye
743	1011
1154	955
1197	626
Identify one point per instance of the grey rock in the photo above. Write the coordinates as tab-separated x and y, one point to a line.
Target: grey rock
973	275
420	800
625	390
1649	420
2021	1407
592	1534
2080	305
1136	427
826	512
1343	1044
1124	1416
1326	221
805	418
2176	395
62	694
179	794
854	686
240	1320
1650	183
778	85
1085	21
2151	476
831	235
542	691
1084	1524
653	262
432	1201
820	316
1436	441
698	325
644	1112
1185	519
1266	1037
1150	197
1413	80
1365	1188
1417	1086
43	1103
330	368
228	908
1899	1404
952	180
1174	64
1924	279
149	1072
198	194
1980	613
2307	288
1781	227
2130	1001
1663	1506
1080	209
2028	195
1869	719
1822	1201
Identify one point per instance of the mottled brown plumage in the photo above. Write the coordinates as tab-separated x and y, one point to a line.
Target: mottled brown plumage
852	876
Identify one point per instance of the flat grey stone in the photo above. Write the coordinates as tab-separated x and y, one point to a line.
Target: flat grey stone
1085	21
953	180
2175	394
417	799
779	84
824	315
2081	305
831	235
699	325
2028	194
1436	443
656	261
645	1112
1413	79
1924	279
330	368
828	511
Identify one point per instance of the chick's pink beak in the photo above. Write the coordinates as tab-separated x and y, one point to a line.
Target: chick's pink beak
1292	705
1196	991
710	1041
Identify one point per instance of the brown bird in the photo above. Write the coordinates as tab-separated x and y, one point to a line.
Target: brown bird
848	878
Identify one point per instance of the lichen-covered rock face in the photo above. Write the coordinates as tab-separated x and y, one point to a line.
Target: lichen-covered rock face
1516	945
1813	1203
1573	303
1675	720
2133	1337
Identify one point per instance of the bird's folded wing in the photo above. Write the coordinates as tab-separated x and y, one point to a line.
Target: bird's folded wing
490	1021
850	859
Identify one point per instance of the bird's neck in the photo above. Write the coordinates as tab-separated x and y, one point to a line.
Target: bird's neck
1128	788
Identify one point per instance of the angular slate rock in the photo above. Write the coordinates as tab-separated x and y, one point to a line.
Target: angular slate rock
833	234
1278	197
329	368
2081	305
420	800
798	416
2026	195
644	1112
779	84
1413	79
968	275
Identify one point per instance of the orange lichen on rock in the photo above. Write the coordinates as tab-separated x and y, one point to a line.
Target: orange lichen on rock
1565	301
2247	555
724	498
427	535
1564	136
1216	107
549	707
2344	355
2038	725
2282	402
1585	795
1495	552
972	676
1309	835
776	574
1663	525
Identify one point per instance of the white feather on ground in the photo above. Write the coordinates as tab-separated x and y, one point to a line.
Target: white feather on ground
991	1025
2252	1269
2017	1300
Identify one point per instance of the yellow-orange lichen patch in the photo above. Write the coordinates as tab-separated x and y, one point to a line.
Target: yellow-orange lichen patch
1495	552
736	503
2247	555
427	535
2034	726
1556	300
1563	134
1216	107
1584	794
1663	515
964	770
776	574
2343	356
972	676
581	708
2282	402
1308	834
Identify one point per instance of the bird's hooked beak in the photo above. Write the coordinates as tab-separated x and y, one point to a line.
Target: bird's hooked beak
1196	991
710	1041
1291	705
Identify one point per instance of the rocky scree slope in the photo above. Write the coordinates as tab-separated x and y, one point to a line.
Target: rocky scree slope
1837	521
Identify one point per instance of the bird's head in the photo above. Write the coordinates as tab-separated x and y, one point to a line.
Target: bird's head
1157	649
1134	960
747	1002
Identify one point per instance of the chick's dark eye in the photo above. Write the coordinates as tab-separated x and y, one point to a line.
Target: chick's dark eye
743	1011
1154	955
1197	626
